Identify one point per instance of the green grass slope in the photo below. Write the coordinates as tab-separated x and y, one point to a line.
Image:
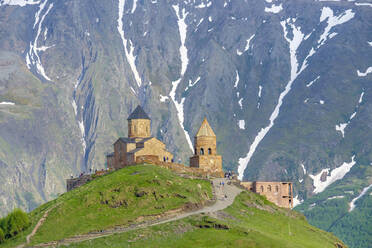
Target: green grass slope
251	221
133	194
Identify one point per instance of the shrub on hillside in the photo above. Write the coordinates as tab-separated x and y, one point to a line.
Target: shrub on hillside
14	223
2	236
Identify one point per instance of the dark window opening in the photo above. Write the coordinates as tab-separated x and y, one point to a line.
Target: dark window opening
196	152
201	151
262	189
277	188
209	151
269	188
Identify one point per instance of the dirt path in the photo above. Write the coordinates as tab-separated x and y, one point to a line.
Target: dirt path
225	196
39	223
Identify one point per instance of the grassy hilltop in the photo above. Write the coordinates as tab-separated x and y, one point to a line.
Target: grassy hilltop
141	193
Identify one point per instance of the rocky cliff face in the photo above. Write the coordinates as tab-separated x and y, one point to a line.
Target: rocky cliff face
286	85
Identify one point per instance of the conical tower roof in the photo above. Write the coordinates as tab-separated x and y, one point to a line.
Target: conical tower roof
138	113
205	129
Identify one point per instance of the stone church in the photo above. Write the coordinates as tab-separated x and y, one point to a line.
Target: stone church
205	150
139	144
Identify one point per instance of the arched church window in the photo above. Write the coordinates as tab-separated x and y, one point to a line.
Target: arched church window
201	151
269	188
277	188
262	188
209	151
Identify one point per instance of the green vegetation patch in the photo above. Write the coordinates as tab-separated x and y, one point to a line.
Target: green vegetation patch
251	221
130	195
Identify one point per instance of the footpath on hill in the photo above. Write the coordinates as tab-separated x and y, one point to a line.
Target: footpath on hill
223	192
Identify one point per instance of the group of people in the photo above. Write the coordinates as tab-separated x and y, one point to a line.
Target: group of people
230	175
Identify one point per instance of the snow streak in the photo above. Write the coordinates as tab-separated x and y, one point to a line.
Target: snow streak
294	43
352	203
295	71
327	14
32	56
21	3
336	174
247	46
236	79
363	74
341	127
74	106
311	83
182	27
7	103
128	53
183	31
274	9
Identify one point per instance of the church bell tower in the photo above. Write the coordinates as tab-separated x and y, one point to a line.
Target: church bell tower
205	153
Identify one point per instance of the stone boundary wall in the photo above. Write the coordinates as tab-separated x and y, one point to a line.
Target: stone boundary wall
178	168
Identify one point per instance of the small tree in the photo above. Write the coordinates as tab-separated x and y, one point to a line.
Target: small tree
17	221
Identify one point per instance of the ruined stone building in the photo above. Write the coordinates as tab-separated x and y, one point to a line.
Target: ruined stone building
205	153
280	193
139	144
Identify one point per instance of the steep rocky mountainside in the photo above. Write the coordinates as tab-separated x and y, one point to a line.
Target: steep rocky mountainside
286	85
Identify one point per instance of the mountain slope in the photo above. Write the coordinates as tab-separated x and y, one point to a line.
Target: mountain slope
284	84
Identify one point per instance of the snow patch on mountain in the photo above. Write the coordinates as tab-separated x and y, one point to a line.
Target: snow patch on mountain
259	91
191	84
204	5
297	201
303	168
247	46
7	103
32	56
241	124
311	83
128	53
336	174
82	131
164	98
361	98
294	43
236	79
134	6
274	9
364	4
369	43
259	96
332	21
363	74
240	102
341	127
336	197
21	3
352	203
